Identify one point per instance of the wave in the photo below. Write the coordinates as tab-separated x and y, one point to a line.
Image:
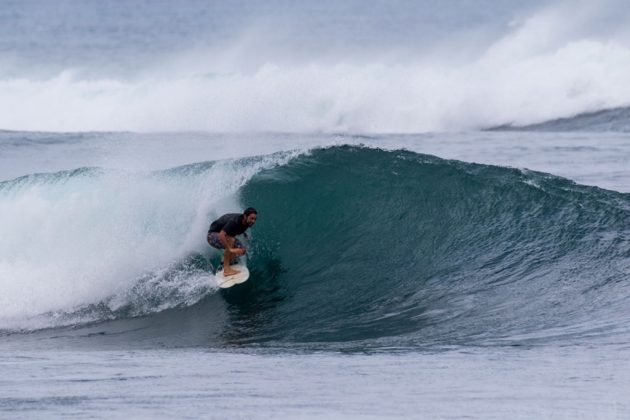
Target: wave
359	246
608	120
545	67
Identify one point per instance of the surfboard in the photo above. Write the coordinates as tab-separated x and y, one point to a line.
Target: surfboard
229	281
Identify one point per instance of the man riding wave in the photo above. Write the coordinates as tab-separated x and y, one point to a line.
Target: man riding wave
222	235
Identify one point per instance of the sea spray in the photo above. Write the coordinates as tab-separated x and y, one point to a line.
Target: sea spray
87	237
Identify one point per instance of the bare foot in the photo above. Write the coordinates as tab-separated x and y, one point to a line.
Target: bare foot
230	272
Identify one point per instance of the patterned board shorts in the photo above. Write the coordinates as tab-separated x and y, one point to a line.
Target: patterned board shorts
215	242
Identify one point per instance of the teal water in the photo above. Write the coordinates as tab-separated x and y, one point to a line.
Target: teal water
409	249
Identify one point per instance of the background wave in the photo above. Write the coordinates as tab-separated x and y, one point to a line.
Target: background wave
398	67
608	120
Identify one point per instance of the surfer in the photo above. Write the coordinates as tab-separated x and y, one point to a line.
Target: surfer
222	235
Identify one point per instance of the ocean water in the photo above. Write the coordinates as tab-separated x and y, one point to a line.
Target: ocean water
444	209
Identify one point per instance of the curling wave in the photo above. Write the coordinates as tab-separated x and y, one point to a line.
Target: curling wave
364	247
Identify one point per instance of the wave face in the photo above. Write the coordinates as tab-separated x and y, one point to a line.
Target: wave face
398	248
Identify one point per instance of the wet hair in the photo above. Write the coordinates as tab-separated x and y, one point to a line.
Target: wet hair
250	210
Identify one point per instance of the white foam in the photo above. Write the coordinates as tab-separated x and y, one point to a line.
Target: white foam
92	238
550	65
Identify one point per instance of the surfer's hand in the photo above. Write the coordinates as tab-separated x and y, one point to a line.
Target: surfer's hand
237	251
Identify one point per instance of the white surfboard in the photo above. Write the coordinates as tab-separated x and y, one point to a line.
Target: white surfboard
229	281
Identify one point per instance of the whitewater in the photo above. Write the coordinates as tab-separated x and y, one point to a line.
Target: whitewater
507	65
443	193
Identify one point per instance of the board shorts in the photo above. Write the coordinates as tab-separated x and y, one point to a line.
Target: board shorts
215	242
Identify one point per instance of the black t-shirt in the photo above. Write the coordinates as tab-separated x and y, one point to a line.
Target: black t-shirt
231	223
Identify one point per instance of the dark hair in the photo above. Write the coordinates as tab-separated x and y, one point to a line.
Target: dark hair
250	210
